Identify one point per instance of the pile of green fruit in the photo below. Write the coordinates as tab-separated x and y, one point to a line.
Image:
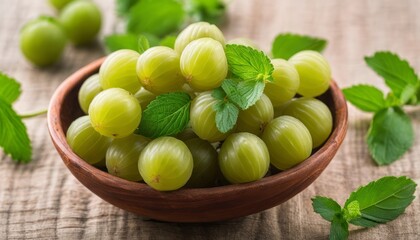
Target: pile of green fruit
184	116
43	40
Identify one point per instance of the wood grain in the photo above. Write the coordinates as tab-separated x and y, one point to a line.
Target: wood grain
42	200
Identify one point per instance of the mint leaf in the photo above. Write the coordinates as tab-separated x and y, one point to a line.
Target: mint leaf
168	41
13	136
383	200
365	97
326	207
121	41
243	93
398	74
168	114
219	93
390	135
247	63
226	115
123	6
288	44
210	11
155	17
10	88
143	44
339	228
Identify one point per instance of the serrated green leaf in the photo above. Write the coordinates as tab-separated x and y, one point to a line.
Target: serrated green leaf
143	44
339	228
121	41
168	41
248	63
243	93
383	200
226	115
9	88
397	73
390	135
287	44
219	93
123	6
326	207
13	136
365	97
155	17
168	114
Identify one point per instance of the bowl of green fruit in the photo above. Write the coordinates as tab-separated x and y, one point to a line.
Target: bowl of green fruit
202	131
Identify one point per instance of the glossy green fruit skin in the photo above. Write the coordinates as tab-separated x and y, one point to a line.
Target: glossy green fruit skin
315	115
89	89
59	4
86	142
285	82
123	155
203	118
187	134
288	141
166	164
144	97
115	113
244	42
42	41
205	167
81	21
119	71
204	64
196	31
243	158
158	70
255	118
314	73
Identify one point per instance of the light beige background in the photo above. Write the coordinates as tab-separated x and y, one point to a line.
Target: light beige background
42	200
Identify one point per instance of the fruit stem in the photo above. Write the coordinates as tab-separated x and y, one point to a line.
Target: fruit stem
33	114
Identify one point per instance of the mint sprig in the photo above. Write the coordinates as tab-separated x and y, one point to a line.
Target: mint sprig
288	44
386	142
14	138
376	203
168	114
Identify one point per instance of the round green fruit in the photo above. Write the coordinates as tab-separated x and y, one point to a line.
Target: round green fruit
314	73
288	141
42	41
81	21
315	115
285	82
255	118
59	4
89	89
166	164
243	158
144	97
115	113
86	142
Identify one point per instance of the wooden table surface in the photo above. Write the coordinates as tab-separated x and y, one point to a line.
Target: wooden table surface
42	200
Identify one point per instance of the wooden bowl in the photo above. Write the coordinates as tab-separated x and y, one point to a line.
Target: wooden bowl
189	205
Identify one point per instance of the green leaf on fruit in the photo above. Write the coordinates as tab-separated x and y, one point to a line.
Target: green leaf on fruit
155	17
226	115
168	114
143	44
397	73
121	41
288	44
365	97
383	200
326	207
168	41
243	93
390	135
248	63
219	93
